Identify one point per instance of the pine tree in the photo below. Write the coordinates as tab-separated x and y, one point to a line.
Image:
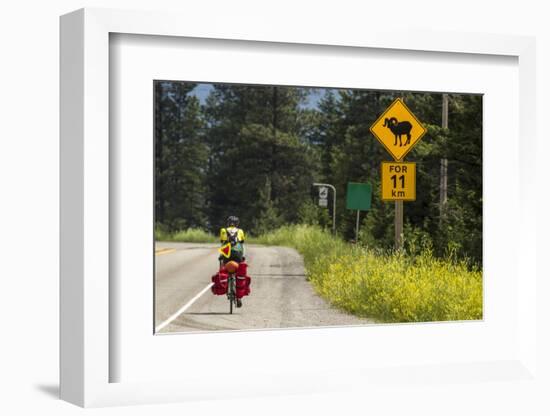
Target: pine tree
180	157
255	137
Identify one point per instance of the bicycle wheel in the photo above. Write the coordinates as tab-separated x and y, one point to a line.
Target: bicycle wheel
232	294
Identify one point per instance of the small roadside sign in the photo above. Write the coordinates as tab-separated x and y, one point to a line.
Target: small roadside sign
398	129
398	181
358	196
323	196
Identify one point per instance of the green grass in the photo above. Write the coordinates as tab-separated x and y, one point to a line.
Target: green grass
191	235
389	287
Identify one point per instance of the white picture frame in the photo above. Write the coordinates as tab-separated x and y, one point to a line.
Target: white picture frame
86	264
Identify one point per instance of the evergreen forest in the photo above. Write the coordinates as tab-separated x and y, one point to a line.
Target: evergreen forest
254	151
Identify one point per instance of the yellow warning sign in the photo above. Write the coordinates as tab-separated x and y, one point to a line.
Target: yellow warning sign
398	129
225	250
398	181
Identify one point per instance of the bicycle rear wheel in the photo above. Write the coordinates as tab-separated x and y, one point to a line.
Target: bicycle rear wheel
232	294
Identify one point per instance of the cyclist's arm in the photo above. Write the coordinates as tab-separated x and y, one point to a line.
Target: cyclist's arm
223	235
240	236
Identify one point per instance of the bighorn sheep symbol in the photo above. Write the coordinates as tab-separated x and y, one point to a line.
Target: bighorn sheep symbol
399	129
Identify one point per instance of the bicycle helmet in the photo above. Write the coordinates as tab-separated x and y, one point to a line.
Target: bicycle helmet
232	221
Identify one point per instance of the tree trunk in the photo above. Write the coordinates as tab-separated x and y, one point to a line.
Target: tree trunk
444	163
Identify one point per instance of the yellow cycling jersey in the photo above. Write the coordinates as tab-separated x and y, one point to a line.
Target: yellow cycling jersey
224	232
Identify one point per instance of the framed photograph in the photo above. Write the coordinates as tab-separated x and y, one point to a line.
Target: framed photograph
298	205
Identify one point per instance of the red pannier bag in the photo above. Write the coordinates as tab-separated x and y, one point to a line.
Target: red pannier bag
220	283
243	281
242	270
243	286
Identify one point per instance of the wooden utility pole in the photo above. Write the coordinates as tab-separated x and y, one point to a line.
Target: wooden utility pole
444	163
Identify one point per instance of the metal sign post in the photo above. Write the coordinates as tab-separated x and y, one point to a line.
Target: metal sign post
327	185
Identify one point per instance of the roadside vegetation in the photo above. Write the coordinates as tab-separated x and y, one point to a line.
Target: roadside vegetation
387	286
191	235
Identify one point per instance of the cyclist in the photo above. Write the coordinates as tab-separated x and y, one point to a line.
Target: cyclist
233	235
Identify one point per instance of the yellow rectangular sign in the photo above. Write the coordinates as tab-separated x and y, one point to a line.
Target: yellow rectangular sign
398	181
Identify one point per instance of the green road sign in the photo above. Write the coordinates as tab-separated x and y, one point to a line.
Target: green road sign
359	196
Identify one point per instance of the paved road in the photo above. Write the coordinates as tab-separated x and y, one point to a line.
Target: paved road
281	297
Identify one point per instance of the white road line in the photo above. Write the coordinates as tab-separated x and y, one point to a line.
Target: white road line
183	308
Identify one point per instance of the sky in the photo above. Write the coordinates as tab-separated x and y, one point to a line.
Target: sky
201	91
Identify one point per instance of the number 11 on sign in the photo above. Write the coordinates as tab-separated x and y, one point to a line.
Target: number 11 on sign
401	178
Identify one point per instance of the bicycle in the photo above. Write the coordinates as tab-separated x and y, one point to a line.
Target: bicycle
231	268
